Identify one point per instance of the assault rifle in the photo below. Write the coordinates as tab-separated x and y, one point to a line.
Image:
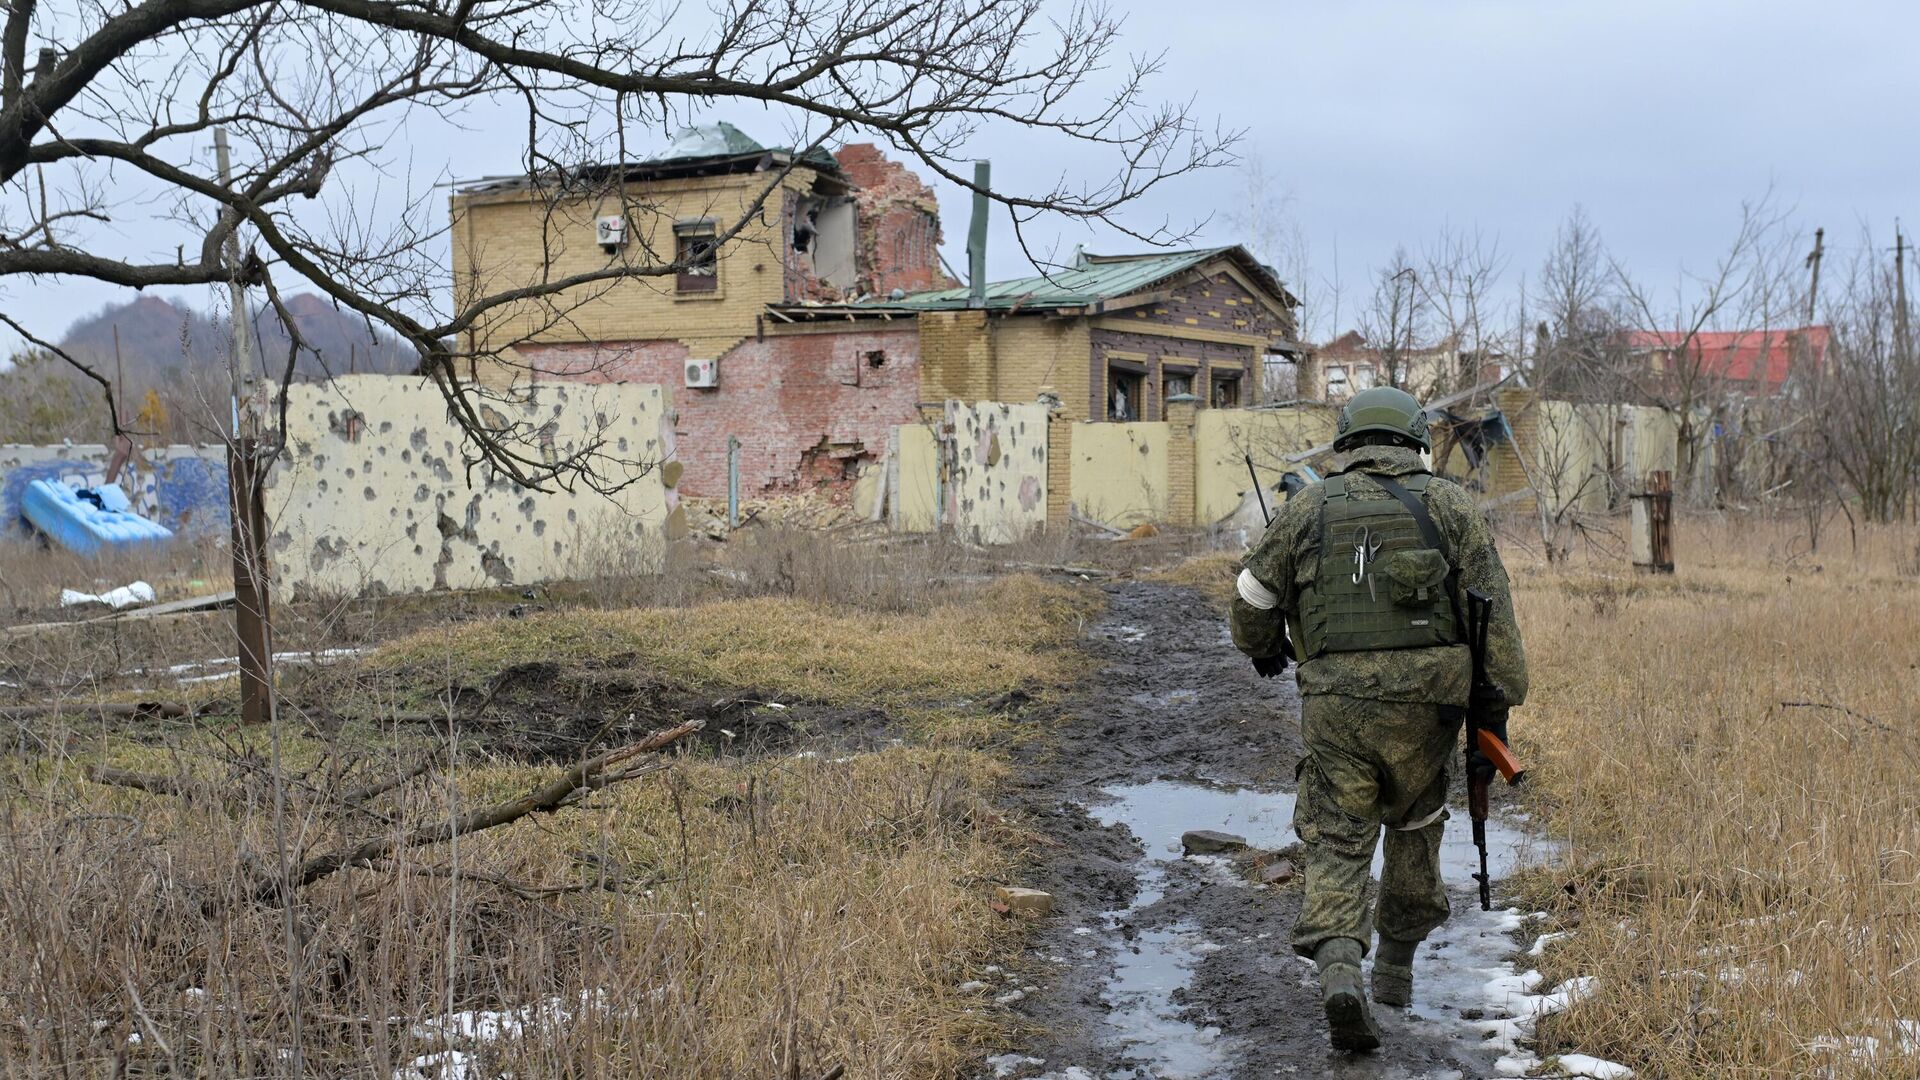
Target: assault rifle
1485	751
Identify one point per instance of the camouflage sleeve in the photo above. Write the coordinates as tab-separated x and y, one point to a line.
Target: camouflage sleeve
1481	568
1257	632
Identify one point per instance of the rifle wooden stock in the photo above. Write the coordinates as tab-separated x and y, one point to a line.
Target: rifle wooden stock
1503	760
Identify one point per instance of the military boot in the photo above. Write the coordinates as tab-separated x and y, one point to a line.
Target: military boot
1393	972
1349	1017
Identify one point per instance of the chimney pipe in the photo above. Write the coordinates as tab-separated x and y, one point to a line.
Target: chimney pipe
977	237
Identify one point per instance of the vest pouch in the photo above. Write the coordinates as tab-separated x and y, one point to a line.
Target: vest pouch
1417	578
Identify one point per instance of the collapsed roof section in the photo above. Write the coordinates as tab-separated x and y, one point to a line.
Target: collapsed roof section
704	150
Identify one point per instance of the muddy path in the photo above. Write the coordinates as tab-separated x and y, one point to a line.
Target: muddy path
1163	966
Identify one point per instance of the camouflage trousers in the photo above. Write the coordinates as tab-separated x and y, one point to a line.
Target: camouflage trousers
1371	764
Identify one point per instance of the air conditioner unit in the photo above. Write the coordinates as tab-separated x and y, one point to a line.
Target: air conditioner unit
610	232
703	374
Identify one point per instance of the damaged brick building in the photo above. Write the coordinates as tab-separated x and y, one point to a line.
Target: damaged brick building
813	316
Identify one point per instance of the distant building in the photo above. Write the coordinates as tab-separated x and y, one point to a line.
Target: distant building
1349	364
828	320
1758	363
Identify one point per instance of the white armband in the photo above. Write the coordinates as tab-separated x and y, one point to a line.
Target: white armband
1255	594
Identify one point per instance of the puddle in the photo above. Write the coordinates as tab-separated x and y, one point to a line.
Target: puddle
1154	966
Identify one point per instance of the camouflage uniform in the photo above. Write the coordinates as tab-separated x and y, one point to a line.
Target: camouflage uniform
1379	726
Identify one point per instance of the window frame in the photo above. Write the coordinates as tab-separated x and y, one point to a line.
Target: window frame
688	281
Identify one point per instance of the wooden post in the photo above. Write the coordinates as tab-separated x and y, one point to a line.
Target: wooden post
253	623
1653	525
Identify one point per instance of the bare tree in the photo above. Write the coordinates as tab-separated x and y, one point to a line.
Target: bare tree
104	132
1394	318
1458	282
1747	288
1865	411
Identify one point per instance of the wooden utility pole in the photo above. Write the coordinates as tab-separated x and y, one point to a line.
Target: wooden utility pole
1900	338
252	619
1813	263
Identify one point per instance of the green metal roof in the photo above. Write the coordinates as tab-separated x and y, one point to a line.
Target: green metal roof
1096	278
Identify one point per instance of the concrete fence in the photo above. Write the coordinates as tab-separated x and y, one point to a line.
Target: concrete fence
995	472
375	493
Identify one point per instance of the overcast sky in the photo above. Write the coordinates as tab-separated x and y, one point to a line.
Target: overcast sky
1382	122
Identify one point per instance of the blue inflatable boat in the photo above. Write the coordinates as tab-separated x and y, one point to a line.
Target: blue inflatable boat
88	521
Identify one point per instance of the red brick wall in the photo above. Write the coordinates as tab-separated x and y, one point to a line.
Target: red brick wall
899	245
805	407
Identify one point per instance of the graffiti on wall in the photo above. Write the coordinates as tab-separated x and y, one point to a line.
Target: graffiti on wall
181	487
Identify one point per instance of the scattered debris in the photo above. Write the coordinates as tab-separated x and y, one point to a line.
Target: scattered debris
1275	873
1018	899
1211	842
123	597
172	607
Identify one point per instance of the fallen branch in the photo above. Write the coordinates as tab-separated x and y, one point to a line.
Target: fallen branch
374	791
1063	568
520	889
1082	519
1862	717
588	775
143	710
153	783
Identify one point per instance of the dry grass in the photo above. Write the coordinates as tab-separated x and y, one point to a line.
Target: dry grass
1732	757
767	917
995	638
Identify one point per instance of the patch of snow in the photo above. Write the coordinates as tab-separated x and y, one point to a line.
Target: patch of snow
1008	1064
1901	1040
444	1065
1592	1067
1540	943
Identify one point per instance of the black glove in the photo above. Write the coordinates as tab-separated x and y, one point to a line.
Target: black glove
1269	666
1493	722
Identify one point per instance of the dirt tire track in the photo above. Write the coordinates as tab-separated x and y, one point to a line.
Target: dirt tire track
1171	699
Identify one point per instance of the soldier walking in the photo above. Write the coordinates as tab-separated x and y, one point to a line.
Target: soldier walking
1367	572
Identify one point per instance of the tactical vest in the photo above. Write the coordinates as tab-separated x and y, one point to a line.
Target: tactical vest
1381	579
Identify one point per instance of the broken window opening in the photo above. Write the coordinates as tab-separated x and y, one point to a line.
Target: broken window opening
1123	394
806	229
1337	386
1226	391
1174	381
698	257
877	359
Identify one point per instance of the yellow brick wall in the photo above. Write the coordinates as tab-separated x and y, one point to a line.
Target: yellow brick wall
1180	462
1032	353
956	356
1059	466
512	240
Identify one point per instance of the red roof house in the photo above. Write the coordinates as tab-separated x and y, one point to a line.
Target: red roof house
1761	359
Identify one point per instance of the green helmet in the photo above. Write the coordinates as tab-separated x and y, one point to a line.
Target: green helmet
1385	409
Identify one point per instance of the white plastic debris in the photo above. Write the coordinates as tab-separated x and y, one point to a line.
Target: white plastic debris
123	597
